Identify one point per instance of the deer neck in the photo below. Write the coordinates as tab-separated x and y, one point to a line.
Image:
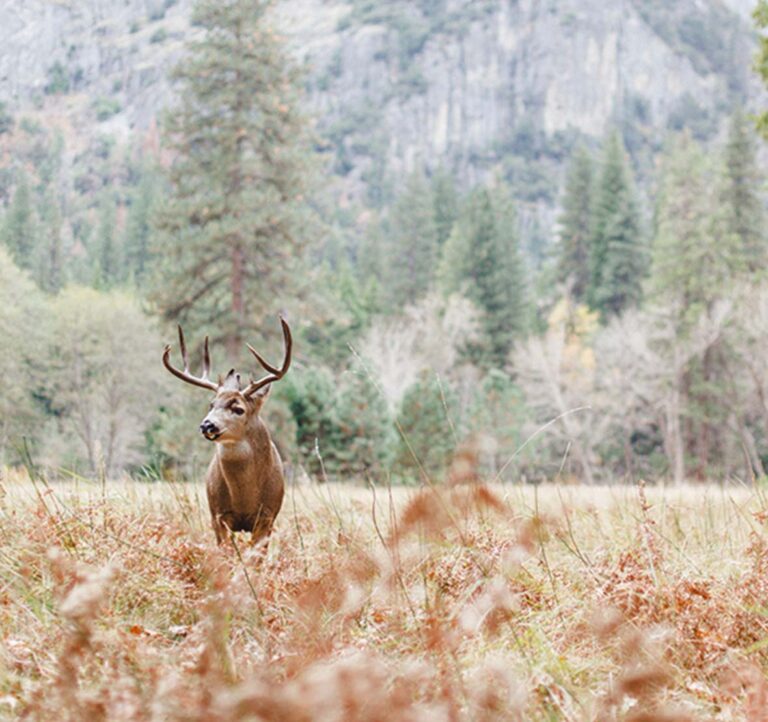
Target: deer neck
238	458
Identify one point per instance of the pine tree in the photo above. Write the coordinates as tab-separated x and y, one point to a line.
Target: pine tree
617	252
452	269
573	267
482	259
412	255
691	271
425	430
497	414
313	401
742	207
370	254
138	227
234	228
366	430
20	229
445	200
760	15
687	267
51	262
108	263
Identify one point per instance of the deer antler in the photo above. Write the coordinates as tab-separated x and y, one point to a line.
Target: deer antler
202	381
274	372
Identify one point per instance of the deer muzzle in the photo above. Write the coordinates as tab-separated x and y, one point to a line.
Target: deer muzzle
210	430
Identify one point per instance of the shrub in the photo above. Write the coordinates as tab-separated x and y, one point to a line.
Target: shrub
58	80
365	428
425	427
6	119
311	398
105	108
158	36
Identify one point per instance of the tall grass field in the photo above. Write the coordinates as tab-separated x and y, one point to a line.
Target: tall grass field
456	603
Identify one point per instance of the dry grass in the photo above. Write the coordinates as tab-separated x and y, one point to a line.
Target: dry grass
471	603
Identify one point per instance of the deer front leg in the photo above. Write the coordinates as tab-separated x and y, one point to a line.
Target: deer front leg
222	527
260	534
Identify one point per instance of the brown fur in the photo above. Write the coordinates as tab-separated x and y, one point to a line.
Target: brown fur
244	483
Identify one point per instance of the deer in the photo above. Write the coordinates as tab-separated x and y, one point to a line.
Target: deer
245	481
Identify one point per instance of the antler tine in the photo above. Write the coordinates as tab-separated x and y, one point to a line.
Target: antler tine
274	373
204	382
267	366
206	360
184	355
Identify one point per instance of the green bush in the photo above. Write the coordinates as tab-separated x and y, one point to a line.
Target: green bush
365	429
105	108
158	36
427	437
6	119
495	419
58	80
311	398
340	419
23	319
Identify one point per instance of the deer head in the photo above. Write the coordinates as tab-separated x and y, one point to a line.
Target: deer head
233	407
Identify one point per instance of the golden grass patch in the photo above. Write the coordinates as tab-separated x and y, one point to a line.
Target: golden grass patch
460	603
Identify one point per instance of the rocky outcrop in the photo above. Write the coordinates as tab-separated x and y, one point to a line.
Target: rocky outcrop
482	86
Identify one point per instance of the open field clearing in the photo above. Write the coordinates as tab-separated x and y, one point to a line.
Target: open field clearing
467	604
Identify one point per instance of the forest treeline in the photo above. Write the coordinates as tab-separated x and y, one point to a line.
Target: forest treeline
637	347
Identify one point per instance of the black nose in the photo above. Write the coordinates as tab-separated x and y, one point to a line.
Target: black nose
208	428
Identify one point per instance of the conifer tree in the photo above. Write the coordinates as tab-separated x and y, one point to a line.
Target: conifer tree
742	208
20	229
691	270
573	266
51	262
446	204
482	259
366	429
617	253
687	268
425	430
234	228
370	254
108	262
497	412
760	15
412	253
138	227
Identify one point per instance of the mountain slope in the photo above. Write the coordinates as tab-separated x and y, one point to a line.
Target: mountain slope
482	87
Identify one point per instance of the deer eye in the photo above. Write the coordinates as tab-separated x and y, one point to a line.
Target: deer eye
237	410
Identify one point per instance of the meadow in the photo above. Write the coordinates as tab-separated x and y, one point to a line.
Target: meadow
468	602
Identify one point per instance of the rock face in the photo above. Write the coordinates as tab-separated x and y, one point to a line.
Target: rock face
97	50
480	86
475	74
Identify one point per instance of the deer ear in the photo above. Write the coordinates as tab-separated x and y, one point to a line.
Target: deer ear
232	380
262	393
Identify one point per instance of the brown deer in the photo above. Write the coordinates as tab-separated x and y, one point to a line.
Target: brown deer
244	482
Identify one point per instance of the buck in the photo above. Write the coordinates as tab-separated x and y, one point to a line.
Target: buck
244	482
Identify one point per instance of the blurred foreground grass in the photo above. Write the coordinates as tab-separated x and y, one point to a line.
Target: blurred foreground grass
464	603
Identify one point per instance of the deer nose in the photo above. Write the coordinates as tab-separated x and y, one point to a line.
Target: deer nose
208	427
